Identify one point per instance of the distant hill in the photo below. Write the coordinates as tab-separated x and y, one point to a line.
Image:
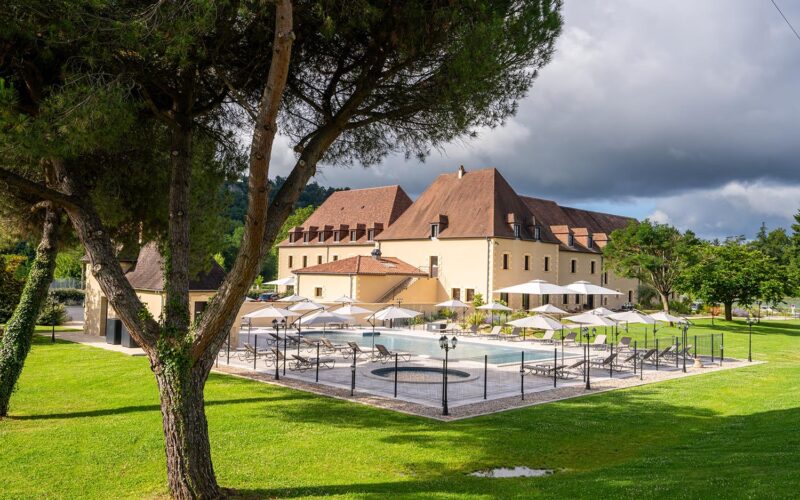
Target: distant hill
313	195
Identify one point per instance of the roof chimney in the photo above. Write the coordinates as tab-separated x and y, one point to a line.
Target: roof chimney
461	171
376	254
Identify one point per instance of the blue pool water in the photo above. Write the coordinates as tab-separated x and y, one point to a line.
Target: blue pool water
430	347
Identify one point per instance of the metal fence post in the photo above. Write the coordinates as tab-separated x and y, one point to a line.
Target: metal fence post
317	376
712	347
658	354
677	351
353	377
485	373
555	365
695	346
255	352
611	363
395	374
721	348
522	375
635	356
284	352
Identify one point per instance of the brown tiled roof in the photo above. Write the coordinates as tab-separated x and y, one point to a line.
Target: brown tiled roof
356	209
147	274
477	205
362	264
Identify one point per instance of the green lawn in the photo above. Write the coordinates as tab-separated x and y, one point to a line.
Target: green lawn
86	424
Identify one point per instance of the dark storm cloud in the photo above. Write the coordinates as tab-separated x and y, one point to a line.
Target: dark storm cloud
666	104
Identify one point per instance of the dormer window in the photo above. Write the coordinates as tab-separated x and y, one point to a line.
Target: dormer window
517	231
434	230
321	236
306	236
370	234
353	235
537	233
571	240
337	236
590	242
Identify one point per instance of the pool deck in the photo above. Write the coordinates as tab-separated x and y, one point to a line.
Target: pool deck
502	385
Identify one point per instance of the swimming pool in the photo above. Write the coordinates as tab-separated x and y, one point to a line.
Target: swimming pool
430	347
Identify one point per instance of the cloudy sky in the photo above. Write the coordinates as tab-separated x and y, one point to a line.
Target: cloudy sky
684	111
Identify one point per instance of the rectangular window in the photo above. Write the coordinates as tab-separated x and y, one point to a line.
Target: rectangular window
605	277
526	301
565	299
455	294
337	236
319	259
306	236
469	294
547	264
537	233
517	231
433	266
592	267
318	291
353	235
527	262
505	261
630	296
504	297
305	261
291	262
573	266
577	299
434	230
545	299
571	240
335	258
321	236
590	244
370	234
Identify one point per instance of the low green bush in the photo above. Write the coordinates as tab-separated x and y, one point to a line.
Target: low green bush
53	313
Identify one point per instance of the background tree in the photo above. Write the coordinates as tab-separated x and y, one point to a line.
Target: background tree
656	254
366	78
730	273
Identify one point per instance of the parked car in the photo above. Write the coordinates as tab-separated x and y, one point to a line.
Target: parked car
627	307
268	297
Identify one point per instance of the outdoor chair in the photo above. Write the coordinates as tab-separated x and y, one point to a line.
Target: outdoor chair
570	338
599	343
331	348
603	362
547	338
494	333
355	348
452	328
687	349
659	355
624	344
385	355
249	353
514	335
302	363
575	369
542	369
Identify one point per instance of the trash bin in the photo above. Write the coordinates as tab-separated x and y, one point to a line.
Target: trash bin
126	340
113	331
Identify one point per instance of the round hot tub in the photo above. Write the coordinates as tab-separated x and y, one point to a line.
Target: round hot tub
421	375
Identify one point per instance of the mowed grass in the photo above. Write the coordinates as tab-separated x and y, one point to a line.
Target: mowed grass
86	423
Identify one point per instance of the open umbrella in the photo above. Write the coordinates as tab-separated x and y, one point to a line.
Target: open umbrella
601	311
634	317
352	310
537	321
494	306
292	298
325	318
290	281
589	319
668	318
305	306
269	312
453	304
343	299
587	288
548	309
535	287
392	313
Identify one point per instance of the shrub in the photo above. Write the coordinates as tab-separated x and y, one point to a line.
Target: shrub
53	313
680	307
68	296
476	319
10	291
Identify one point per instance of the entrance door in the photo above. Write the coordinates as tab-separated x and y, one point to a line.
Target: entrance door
433	266
590	301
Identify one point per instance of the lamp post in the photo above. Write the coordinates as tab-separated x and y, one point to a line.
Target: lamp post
684	345
750	321
446	344
588	366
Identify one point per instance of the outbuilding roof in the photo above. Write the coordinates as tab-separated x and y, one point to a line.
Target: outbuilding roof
147	273
364	265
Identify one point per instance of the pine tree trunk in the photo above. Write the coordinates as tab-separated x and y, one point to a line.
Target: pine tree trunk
16	342
664	301
728	311
190	472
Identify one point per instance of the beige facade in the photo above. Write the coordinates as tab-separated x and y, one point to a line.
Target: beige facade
294	257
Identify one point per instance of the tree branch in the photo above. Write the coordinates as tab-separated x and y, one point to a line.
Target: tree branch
37	190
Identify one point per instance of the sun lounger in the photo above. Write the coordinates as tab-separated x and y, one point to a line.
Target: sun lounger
514	335
302	363
569	338
330	347
574	369
384	355
248	353
494	333
603	362
624	344
452	328
359	352
599	343
547	338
